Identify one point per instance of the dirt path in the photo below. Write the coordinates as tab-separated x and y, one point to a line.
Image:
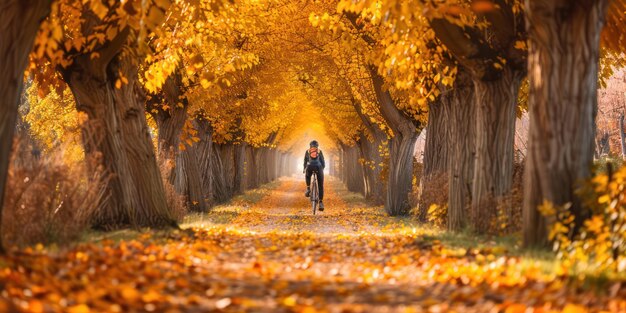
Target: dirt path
269	254
286	209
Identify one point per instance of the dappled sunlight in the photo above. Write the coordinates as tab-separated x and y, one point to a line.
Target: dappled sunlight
282	258
153	156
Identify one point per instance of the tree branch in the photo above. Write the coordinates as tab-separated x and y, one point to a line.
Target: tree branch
469	47
352	17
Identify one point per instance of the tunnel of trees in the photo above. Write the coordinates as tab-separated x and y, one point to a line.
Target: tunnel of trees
165	100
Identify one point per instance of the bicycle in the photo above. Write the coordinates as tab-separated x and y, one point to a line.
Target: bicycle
315	197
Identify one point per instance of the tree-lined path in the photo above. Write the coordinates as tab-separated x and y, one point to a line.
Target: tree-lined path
265	252
151	155
286	209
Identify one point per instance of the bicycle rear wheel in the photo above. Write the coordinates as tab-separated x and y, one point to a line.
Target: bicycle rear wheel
314	194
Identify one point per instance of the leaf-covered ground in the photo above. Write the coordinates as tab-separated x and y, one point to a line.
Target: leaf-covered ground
265	252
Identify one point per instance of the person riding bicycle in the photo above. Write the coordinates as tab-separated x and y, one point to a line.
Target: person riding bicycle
314	162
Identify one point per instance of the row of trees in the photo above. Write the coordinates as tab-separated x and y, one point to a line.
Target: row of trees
232	88
216	125
464	62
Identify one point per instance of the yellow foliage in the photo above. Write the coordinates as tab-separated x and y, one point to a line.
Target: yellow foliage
54	122
600	244
437	215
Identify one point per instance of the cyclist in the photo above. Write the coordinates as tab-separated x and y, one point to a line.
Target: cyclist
314	162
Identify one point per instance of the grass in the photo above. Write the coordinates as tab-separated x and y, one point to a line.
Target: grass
221	214
117	235
251	197
225	213
349	197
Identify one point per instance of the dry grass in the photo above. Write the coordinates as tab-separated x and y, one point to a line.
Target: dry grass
418	168
427	191
505	219
508	219
505	212
47	200
435	190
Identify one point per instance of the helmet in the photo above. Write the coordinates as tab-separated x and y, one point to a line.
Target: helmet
314	144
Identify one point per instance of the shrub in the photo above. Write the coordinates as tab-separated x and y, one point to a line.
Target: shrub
438	215
508	215
416	178
599	246
47	200
433	196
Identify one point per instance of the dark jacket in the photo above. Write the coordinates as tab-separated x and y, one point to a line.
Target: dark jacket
320	158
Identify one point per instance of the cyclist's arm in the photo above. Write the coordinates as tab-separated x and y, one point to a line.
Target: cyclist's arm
306	158
322	159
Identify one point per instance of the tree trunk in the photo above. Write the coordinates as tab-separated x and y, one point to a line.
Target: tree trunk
495	138
622	135
228	170
357	178
272	164
188	179
342	169
462	153
240	163
436	153
564	41
353	170
436	148
185	176
116	134
204	156
219	184
260	163
19	23
260	166
251	171
282	164
401	149
602	146
370	145
362	161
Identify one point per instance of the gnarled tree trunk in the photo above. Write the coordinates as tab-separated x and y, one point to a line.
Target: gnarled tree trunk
375	188
495	137
252	180
261	163
185	176
240	162
19	22
436	153
219	179
462	152
117	133
563	69
356	179
401	149
229	168
204	156
353	170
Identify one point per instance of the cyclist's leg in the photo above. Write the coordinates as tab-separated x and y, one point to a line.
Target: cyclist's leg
320	182
309	172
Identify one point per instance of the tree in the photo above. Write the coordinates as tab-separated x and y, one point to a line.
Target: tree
96	54
496	61
564	48
18	29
